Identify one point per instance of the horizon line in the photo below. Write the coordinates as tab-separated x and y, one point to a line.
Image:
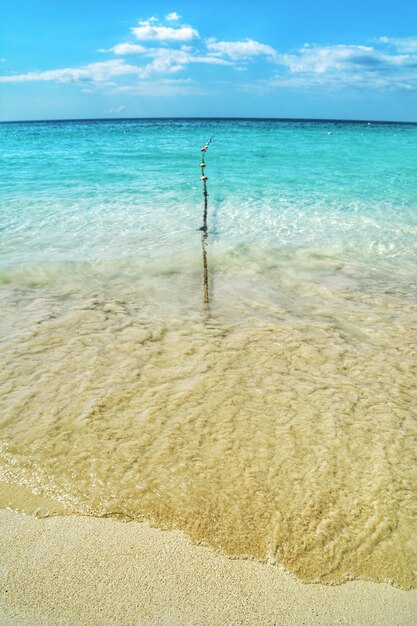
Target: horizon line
207	118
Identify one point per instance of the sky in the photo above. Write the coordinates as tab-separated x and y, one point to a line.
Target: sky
75	59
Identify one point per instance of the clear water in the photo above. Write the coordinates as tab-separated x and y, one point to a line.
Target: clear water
279	422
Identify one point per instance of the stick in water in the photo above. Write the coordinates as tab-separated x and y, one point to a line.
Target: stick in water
203	228
203	177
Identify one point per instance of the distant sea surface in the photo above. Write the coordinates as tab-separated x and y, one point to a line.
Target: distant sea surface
278	420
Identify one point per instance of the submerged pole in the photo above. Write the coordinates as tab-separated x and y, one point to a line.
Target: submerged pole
203	178
203	228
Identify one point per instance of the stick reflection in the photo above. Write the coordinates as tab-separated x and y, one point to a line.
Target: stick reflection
206	298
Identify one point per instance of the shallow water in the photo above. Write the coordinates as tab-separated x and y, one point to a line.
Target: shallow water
278	423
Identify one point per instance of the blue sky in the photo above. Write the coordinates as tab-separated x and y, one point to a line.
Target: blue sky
125	58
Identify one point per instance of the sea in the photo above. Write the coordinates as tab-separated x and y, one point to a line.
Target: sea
251	384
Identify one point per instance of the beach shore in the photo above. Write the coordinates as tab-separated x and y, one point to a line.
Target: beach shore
71	570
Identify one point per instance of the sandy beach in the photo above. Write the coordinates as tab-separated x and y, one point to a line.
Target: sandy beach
79	570
208	426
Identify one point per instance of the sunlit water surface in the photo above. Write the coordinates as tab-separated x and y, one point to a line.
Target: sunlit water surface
280	421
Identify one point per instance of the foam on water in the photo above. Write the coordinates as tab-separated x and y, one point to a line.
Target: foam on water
281	423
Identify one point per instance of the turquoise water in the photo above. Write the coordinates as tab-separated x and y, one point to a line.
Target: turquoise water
106	190
276	422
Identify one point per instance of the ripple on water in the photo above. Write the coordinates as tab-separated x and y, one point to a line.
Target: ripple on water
289	436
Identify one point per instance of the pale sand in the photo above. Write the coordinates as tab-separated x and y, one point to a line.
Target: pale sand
80	570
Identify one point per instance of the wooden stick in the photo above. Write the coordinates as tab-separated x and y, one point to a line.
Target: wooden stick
203	228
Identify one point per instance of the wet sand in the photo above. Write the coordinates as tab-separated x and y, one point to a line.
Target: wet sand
71	570
280	437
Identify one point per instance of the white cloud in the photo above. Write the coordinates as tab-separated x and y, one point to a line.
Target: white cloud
164	60
126	48
387	64
402	44
118	109
173	17
172	60
147	32
94	72
237	50
167	60
356	65
322	59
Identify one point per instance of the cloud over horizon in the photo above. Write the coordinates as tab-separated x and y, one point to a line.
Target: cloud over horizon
100	72
170	47
355	65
